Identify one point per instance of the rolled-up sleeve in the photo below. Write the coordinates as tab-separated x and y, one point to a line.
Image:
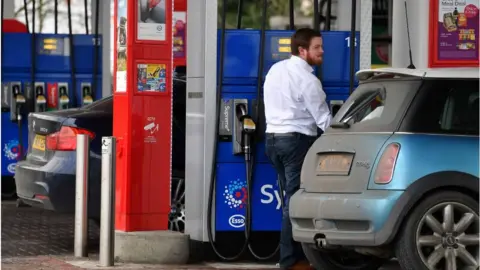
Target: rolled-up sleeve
315	101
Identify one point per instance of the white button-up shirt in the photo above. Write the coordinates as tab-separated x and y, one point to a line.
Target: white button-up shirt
294	99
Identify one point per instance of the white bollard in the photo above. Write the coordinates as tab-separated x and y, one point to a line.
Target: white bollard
81	196
107	213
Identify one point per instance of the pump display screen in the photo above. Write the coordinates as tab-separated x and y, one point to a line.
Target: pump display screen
51	46
280	48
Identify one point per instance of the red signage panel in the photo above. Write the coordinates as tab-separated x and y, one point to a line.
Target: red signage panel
454	33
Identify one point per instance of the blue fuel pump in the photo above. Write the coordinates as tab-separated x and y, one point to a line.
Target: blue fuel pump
51	72
244	185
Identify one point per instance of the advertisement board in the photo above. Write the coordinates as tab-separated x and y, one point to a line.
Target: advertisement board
121	57
179	34
454	33
151	20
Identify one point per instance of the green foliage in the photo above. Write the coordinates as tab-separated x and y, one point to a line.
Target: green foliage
252	12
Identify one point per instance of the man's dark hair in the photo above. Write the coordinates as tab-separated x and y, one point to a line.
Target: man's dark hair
302	38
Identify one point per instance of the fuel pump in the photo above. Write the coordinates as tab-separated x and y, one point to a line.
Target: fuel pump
245	133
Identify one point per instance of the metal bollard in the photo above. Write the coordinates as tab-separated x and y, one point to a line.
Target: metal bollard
107	201
81	195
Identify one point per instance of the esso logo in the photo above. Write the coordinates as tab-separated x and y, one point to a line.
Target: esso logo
11	167
237	221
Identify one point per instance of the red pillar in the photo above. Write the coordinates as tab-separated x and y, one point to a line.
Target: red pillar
142	113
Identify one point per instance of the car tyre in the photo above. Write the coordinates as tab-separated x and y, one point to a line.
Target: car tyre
437	228
340	259
9	190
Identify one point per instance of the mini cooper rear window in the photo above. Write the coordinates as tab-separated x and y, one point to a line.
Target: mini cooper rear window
377	106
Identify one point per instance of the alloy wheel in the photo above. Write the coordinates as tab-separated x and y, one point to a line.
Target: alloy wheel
447	237
176	220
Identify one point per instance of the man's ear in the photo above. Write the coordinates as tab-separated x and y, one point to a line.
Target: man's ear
302	50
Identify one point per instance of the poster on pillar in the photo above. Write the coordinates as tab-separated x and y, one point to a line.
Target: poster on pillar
121	61
179	34
151	20
152	77
454	33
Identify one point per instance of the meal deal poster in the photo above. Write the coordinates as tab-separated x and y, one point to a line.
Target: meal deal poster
179	34
455	32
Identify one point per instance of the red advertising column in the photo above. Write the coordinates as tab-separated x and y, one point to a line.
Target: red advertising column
142	110
454	33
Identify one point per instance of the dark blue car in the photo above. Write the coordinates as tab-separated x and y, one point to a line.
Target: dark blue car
46	178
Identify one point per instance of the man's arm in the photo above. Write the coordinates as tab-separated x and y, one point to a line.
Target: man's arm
315	101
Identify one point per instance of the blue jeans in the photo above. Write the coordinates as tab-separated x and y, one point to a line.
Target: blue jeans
286	153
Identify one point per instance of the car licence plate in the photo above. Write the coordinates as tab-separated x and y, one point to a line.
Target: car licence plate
334	164
39	142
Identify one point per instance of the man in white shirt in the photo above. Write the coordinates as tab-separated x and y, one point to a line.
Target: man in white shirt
295	108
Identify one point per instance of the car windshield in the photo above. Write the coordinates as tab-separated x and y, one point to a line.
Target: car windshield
376	106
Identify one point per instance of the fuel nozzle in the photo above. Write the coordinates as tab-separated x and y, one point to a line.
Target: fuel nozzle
64	100
40	99
248	129
19	101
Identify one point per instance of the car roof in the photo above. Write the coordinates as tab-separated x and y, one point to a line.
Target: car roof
453	73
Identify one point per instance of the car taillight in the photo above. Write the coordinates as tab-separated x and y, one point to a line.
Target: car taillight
66	138
386	165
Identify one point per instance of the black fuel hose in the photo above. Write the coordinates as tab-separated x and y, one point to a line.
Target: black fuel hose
316	27
353	41
291	12
20	133
328	16
96	47
55	14
239	14
30	104
72	56
25	10
85	7
2	14
213	171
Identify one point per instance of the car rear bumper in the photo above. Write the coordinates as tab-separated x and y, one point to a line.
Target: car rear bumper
344	219
51	191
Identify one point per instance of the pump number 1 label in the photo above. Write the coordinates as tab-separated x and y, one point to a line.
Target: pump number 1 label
348	42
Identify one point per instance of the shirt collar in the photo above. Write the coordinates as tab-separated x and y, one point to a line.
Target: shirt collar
302	63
